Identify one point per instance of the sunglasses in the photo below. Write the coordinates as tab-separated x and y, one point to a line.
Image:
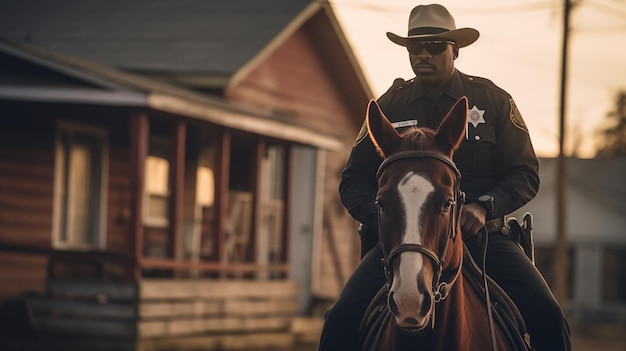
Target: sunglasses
434	47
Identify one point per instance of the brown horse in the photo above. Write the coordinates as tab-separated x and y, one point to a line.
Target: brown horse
428	304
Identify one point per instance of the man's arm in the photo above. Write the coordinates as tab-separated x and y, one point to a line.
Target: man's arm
358	186
517	164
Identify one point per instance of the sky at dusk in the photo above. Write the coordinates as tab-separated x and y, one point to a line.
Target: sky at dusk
519	49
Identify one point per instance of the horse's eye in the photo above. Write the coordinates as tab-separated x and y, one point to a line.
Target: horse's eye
447	206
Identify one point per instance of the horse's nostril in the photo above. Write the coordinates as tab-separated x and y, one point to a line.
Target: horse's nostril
410	320
392	304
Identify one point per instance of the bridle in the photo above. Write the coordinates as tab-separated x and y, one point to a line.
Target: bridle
440	288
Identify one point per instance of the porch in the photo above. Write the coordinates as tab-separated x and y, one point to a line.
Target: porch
162	314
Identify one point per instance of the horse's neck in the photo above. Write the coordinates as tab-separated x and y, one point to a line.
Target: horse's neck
454	316
461	319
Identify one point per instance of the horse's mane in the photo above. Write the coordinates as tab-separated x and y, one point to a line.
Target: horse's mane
416	138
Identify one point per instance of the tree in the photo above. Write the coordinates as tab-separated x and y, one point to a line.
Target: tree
613	136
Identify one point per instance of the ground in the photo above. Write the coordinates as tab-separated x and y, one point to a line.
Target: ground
610	337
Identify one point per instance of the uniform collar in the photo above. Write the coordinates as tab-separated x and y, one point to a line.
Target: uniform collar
453	88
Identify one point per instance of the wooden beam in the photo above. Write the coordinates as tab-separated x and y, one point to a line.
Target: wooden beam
77	309
177	182
232	307
107	290
163	289
139	130
257	180
286	237
159	263
244	121
178	327
221	192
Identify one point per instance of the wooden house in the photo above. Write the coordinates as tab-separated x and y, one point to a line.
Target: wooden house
594	228
169	170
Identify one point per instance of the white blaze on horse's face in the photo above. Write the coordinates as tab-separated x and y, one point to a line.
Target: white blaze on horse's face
414	189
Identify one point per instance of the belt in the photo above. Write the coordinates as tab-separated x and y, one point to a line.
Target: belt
494	225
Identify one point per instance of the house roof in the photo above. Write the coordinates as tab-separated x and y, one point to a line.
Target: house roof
214	35
80	81
201	42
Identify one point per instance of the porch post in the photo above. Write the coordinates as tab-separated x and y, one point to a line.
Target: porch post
221	196
139	129
177	179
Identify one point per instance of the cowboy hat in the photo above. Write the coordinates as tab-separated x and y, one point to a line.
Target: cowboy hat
434	21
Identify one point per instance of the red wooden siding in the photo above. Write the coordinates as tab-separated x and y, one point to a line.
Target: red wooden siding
118	222
294	80
26	178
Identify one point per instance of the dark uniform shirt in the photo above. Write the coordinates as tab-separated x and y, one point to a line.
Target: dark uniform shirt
496	157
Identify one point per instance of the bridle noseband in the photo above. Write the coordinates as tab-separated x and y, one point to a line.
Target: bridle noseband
440	288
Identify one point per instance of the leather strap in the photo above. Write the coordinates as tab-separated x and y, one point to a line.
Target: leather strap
494	225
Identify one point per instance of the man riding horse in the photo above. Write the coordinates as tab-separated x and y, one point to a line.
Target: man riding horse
499	175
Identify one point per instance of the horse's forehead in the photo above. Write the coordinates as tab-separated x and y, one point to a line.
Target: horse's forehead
414	190
414	182
430	171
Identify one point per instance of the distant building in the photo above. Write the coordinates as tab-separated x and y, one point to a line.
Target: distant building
596	234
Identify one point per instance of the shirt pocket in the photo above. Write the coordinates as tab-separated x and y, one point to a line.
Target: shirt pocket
482	146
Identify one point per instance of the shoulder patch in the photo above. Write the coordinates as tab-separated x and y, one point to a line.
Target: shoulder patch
399	83
516	117
362	134
484	82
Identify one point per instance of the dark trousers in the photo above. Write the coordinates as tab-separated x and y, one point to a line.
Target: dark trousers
506	264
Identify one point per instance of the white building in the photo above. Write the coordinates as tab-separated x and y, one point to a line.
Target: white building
595	219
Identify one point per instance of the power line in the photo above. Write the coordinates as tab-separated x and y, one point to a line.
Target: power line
490	10
531	7
601	30
608	9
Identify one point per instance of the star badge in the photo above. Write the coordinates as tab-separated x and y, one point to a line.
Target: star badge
475	116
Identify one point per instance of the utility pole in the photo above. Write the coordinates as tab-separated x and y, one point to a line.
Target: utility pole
561	260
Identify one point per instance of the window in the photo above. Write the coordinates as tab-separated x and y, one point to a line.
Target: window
613	282
271	242
544	260
239	226
273	202
79	193
255	225
156	192
199	227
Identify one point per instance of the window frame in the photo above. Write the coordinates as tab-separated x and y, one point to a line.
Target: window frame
149	220
100	134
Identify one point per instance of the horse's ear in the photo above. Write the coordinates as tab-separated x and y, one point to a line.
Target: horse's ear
380	130
452	129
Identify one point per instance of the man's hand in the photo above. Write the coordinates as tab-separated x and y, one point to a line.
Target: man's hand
473	218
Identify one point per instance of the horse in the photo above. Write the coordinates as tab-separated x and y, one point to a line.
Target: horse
430	301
